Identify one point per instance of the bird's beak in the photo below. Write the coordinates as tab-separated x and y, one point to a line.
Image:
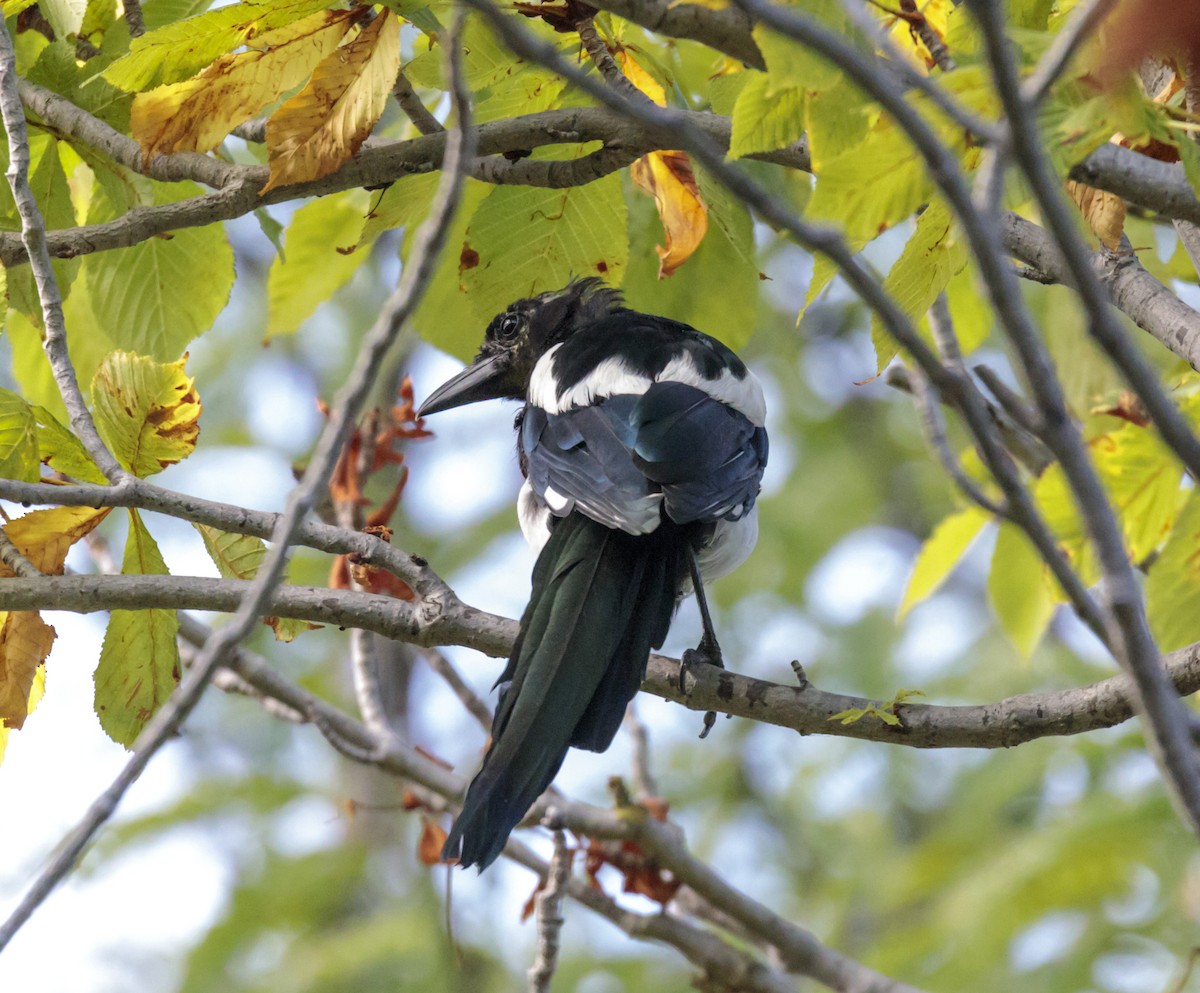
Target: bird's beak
483	379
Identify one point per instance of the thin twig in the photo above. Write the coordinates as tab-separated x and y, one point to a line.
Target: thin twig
549	905
602	58
935	433
12	557
33	236
133	18
414	278
143	495
414	109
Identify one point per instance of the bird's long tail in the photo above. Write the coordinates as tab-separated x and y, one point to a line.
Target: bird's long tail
601	600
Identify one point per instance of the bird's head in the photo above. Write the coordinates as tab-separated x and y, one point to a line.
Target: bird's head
520	335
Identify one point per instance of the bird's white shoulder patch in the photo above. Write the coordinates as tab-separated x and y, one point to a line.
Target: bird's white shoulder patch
610	378
743	395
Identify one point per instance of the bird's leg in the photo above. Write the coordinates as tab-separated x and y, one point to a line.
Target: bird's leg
708	651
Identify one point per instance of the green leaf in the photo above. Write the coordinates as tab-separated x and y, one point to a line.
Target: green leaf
406	201
272	229
57	69
18	439
446	316
159	13
65	16
932	255
835	120
724	90
62	451
766	118
855	714
136	295
99	16
417	13
871	186
528	240
48	183
1143	478
319	258
824	269
1022	597
139	660
717	290
238	556
1054	499
146	411
970	312
30	367
524	91
176	51
791	66
1173	586
940	553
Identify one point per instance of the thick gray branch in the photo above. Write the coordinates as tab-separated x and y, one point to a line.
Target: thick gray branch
805	709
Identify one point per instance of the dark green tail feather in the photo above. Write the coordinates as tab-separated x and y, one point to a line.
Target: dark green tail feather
601	600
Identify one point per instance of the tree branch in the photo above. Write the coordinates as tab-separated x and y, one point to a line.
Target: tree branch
343	413
806	710
33	242
1163	713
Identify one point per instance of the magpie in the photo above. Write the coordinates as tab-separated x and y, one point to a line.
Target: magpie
642	444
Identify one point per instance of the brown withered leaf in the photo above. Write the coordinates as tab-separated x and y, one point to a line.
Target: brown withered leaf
25	641
197	114
433	837
1129	407
324	124
668	177
1104	212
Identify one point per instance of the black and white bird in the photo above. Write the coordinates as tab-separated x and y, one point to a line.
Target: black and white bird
642	445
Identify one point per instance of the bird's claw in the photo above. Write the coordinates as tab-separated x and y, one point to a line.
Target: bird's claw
708	652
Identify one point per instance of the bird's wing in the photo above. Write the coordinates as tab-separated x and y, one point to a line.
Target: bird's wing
582	459
707	457
625	459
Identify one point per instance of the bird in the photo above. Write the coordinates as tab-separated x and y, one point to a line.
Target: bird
642	443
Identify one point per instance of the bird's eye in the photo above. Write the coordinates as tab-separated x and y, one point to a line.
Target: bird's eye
510	324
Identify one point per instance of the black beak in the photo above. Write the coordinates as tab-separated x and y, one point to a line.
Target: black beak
484	379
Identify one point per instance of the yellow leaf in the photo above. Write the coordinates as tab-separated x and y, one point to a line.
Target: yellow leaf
25	641
1104	212
43	536
35	697
324	124
147	411
936	14
667	176
640	78
195	115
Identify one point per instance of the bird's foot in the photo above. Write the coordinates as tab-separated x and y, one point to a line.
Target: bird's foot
708	652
